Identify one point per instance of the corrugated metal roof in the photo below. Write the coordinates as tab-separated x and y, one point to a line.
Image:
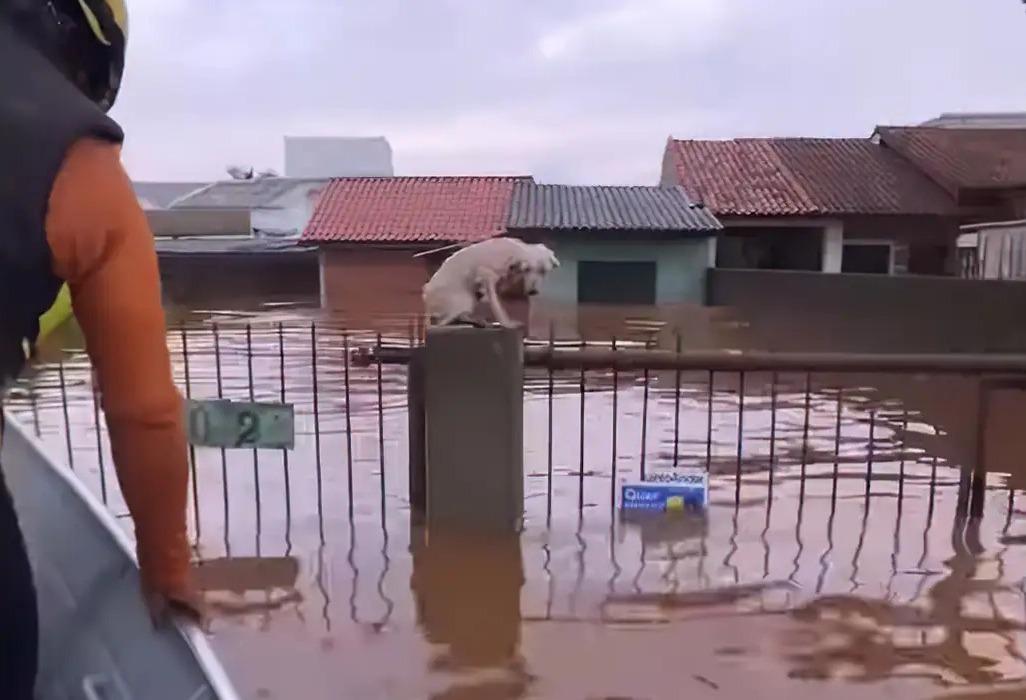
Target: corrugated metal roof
605	208
412	209
261	193
964	158
804	177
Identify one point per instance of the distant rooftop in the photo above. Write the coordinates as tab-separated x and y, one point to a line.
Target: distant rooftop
260	193
159	195
803	177
990	120
604	208
412	210
967	158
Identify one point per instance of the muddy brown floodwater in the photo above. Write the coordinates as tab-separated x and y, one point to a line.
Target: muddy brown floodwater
805	588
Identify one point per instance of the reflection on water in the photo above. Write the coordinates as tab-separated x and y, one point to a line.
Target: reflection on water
466	591
806	579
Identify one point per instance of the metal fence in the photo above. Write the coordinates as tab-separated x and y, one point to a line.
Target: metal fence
814	384
595	414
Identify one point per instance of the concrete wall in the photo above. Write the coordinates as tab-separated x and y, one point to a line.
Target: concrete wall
869	313
337	157
681	265
1017	204
668	176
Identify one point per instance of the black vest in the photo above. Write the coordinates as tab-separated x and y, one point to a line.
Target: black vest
41	115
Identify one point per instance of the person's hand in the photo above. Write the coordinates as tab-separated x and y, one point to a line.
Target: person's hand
164	607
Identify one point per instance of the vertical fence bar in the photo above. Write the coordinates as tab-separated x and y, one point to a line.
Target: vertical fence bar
644	422
805	434
192	448
709	422
616	392
965	481
349	423
979	473
869	462
933	484
99	440
381	428
224	453
317	429
773	437
837	446
676	408
256	453
67	416
901	463
552	390
284	453
740	434
580	475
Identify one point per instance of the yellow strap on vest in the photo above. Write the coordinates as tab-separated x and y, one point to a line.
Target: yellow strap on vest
56	315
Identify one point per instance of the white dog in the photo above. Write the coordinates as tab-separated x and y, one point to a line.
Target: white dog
478	272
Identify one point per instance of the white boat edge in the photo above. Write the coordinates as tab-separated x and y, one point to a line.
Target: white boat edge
192	634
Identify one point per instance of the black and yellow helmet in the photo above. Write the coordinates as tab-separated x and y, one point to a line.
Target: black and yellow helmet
85	39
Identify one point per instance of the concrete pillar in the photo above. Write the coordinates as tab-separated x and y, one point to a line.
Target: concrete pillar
475	426
418	455
833	246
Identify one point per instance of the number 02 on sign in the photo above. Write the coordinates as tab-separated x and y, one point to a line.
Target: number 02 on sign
237	424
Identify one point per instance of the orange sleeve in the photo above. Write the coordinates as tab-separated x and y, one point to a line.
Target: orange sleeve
102	246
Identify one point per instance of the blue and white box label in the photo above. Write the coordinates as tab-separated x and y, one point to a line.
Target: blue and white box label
667	492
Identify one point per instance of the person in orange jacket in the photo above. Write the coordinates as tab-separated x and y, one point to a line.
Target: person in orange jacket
68	215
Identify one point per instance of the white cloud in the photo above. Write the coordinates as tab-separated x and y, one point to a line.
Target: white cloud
633	28
575	90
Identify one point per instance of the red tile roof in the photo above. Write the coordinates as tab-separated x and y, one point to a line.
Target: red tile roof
803	177
963	158
412	209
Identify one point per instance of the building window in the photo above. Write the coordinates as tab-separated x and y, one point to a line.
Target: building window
868	257
616	282
770	248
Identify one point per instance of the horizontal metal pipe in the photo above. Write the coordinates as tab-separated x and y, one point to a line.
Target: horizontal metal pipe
720	361
761	361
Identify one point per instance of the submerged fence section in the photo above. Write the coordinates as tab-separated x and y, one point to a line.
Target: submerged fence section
827	428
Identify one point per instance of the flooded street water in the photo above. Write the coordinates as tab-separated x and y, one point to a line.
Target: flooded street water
813	581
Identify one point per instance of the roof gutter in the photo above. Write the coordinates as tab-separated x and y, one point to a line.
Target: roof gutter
992	225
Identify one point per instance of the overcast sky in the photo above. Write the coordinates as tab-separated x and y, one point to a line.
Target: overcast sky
577	91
